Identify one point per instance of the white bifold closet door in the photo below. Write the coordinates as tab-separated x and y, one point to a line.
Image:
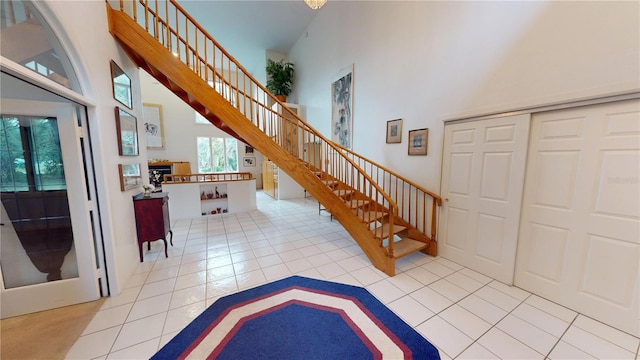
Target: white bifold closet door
579	241
482	182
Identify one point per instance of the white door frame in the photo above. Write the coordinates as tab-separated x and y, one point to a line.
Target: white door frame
32	298
99	212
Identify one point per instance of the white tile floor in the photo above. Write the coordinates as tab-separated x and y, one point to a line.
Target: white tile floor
465	314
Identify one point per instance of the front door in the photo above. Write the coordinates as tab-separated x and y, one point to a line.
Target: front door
47	257
482	180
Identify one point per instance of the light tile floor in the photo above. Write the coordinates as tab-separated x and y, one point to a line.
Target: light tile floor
465	314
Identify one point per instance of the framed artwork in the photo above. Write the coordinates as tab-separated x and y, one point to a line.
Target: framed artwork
130	176
394	131
121	85
153	126
418	141
249	161
342	108
127	133
248	149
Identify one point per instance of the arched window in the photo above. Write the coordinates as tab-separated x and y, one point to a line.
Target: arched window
21	23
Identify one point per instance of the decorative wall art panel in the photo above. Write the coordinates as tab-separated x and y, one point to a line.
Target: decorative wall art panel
342	108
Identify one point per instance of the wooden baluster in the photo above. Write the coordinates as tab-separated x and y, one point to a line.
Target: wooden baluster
392	213
433	220
196	53
186	42
168	43
423	206
177	31
146	15
156	20
237	86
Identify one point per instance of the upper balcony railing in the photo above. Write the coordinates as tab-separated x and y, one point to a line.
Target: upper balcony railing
206	178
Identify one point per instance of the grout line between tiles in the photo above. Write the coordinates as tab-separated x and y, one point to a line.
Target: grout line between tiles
289	223
561	336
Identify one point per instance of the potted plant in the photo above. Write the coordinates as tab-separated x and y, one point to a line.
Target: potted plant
280	75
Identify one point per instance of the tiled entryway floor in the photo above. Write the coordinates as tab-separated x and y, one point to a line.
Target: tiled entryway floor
465	314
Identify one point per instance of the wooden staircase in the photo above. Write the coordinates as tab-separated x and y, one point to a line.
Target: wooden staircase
379	209
406	239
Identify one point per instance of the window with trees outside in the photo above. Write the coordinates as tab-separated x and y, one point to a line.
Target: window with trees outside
30	154
217	155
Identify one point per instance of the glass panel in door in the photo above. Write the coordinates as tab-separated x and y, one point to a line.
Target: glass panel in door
37	233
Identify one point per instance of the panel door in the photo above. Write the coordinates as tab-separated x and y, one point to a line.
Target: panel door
482	181
580	229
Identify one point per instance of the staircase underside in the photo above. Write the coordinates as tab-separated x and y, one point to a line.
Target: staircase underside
150	55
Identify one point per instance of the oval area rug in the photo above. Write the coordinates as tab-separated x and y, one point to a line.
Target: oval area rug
298	318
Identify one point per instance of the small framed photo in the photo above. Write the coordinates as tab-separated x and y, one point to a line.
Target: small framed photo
418	141
394	131
127	128
249	161
248	150
130	176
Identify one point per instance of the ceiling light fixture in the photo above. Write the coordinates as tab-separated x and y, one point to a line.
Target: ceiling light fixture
315	4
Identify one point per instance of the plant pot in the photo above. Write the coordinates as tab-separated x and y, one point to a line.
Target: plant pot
282	98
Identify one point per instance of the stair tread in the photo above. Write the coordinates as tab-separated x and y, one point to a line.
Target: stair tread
354	204
386	230
406	247
343	192
371	216
330	183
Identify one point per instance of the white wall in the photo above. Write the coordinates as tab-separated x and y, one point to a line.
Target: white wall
91	52
426	62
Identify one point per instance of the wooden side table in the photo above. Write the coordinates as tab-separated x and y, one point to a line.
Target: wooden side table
152	220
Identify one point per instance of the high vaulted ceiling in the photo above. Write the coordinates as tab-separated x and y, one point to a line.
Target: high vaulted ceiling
246	29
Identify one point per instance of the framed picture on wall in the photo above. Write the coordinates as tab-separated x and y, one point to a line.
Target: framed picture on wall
121	85
418	141
394	131
249	161
127	133
342	107
153	126
130	176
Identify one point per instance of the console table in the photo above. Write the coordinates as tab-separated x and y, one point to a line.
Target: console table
152	220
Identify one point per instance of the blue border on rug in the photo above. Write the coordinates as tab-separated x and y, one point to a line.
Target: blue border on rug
419	346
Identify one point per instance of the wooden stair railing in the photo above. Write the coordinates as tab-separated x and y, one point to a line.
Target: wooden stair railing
165	41
413	200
